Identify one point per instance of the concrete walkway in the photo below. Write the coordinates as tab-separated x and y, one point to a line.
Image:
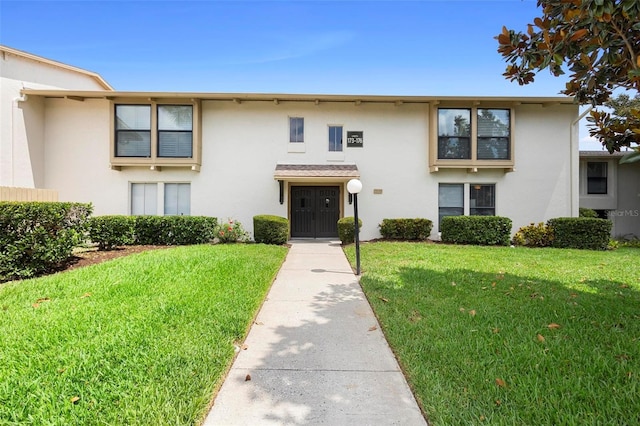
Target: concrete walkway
315	354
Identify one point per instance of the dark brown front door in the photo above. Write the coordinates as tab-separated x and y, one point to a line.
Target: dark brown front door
315	211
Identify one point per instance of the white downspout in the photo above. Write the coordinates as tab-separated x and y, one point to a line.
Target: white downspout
14	107
574	147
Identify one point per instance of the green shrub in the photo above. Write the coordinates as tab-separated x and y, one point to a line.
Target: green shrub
35	237
231	232
406	229
174	230
580	232
346	229
584	212
481	230
268	229
110	232
533	235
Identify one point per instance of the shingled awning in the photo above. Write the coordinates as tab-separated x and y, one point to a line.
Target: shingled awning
316	172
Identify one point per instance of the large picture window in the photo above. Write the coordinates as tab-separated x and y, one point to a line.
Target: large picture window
175	131
133	131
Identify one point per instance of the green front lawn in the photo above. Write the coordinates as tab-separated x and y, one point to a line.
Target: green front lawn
144	339
511	336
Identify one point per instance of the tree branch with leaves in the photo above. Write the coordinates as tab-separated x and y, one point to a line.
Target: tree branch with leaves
598	41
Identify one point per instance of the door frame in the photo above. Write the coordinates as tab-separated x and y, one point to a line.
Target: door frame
341	196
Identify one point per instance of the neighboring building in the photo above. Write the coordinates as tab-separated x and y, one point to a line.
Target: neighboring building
239	155
22	120
612	190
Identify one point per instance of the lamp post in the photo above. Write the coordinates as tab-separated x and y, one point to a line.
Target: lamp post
354	186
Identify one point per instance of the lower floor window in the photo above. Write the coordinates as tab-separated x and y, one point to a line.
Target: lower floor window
177	199
454	197
144	198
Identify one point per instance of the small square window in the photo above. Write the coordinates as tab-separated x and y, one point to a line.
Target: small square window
144	198
450	200
482	200
177	199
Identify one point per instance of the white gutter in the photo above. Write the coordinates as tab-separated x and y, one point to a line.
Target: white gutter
14	107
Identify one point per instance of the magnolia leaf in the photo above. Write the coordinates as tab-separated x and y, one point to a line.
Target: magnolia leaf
373	328
75	399
553	326
501	383
472	312
383	299
541	338
247	377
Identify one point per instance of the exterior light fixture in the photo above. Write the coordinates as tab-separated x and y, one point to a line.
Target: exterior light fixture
354	186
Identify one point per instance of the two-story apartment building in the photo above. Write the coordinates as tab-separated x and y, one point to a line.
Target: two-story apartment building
238	154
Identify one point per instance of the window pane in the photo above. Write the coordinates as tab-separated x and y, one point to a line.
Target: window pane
493	148
454	131
133	117
177	199
454	148
144	198
454	122
335	138
175	117
133	144
597	177
493	122
296	129
175	144
482	200
450	200
451	195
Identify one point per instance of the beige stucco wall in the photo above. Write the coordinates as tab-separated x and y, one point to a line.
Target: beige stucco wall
242	143
22	123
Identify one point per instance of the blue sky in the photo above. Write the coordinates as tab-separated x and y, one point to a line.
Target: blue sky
338	47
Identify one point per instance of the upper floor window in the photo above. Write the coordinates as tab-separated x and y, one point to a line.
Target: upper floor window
138	128
474	134
596	177
133	131
454	133
335	138
175	131
494	134
296	129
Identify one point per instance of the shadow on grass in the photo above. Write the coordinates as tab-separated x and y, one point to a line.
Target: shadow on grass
513	349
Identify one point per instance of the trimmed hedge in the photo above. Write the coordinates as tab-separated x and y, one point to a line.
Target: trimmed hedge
112	231
346	229
406	229
174	230
580	232
481	230
269	229
36	237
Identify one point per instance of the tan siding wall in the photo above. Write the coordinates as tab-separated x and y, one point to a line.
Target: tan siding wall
27	194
